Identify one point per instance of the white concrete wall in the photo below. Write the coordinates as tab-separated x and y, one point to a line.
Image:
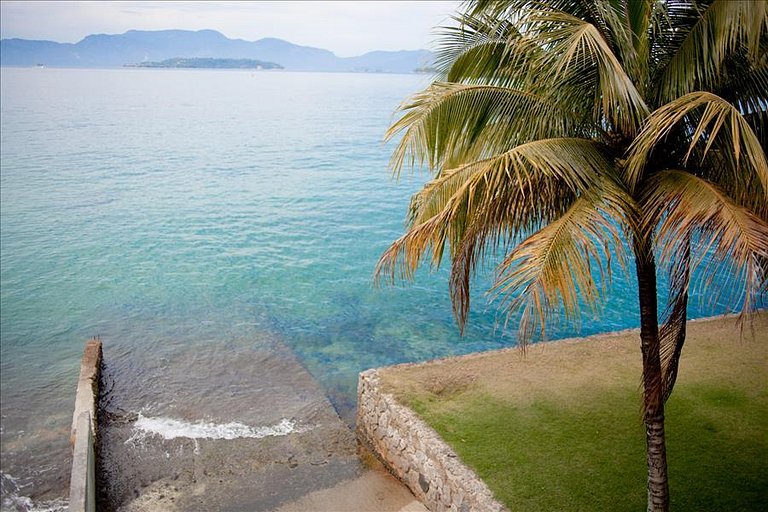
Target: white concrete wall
82	484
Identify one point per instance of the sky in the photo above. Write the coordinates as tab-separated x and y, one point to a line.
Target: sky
347	28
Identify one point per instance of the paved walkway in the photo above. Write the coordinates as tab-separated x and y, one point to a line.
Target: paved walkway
374	491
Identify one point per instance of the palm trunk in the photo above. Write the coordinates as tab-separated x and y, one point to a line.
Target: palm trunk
653	390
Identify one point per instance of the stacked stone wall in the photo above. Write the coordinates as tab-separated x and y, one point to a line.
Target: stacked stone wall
416	454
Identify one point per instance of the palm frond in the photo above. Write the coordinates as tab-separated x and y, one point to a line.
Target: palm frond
745	86
721	168
522	188
495	8
735	240
554	267
499	224
575	46
482	49
639	14
702	117
723	28
624	26
450	124
672	332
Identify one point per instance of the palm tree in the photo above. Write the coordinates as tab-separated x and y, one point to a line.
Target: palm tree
562	133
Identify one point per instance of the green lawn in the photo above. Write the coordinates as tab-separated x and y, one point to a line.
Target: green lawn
582	448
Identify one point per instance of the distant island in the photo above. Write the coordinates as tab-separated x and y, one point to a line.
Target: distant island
207	63
426	70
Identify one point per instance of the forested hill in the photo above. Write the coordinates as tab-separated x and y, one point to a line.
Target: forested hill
208	63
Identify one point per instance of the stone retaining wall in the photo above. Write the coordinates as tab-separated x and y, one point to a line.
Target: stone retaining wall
416	454
82	483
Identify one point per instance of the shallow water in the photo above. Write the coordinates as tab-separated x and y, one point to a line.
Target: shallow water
179	212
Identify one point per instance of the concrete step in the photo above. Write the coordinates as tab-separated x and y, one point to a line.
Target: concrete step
164	447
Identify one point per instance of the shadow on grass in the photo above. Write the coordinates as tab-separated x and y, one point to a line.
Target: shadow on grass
717	448
590	455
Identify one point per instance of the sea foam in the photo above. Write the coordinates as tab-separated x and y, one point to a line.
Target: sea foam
169	428
12	499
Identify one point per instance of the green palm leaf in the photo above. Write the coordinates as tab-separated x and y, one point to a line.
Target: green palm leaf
576	46
723	28
702	117
481	49
450	124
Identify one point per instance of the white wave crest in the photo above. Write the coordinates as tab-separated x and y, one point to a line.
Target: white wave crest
169	428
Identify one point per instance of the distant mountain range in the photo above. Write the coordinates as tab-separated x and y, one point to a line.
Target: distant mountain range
137	46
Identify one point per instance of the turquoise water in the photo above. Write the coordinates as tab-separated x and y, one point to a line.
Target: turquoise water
169	209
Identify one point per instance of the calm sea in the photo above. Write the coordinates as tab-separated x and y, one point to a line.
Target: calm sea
173	212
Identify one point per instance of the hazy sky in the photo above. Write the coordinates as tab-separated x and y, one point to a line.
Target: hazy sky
346	28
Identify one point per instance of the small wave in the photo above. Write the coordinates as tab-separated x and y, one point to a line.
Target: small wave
12	500
57	505
169	428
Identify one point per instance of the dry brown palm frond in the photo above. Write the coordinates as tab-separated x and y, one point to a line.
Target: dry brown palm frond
672	332
552	268
522	186
404	255
496	227
734	241
574	163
